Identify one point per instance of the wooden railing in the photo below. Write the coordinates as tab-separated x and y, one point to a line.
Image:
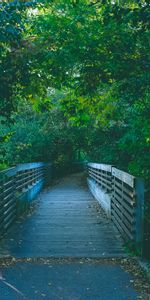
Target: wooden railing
29	174
126	194
7	199
102	175
18	186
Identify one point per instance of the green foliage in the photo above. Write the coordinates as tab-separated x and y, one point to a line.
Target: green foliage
84	67
88	59
36	136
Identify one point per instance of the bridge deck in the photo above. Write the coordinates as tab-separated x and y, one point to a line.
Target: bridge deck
67	222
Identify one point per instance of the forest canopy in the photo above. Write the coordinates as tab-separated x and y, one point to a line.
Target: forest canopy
74	82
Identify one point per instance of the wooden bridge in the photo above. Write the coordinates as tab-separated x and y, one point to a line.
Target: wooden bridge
68	221
69	244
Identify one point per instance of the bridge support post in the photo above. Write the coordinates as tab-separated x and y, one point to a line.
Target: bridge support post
139	194
48	174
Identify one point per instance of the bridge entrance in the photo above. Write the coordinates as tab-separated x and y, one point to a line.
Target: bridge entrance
67	221
66	248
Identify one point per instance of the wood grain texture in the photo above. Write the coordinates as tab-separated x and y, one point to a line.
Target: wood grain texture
68	222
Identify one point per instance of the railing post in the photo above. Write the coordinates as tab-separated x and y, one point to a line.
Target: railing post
2	181
139	194
48	174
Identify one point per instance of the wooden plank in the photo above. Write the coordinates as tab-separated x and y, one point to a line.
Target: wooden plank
6	198
69	216
104	167
123	176
123	196
127	190
1	220
9	222
123	227
28	166
130	234
106	176
123	217
25	184
116	183
21	187
106	181
96	176
8	172
128	224
20	177
10	202
93	176
104	185
8	182
102	179
127	206
128	199
130	217
8	190
120	229
125	200
9	210
9	214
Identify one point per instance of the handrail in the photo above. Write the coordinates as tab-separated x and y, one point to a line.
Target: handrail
125	194
101	173
18	186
